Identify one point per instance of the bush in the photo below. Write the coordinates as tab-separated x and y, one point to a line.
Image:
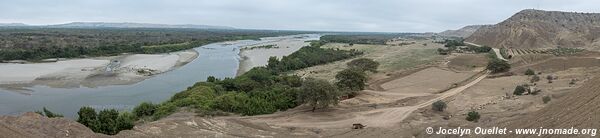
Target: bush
497	65
164	110
89	118
546	99
439	106
529	72
473	116
144	109
363	64
108	121
351	79
519	90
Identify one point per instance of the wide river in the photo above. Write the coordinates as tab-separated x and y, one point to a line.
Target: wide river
217	59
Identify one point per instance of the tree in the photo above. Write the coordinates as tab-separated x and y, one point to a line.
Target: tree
273	63
519	90
144	109
473	116
211	79
125	121
351	79
439	105
318	93
364	64
88	117
529	72
497	65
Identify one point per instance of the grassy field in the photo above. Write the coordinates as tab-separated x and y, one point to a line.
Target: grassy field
391	58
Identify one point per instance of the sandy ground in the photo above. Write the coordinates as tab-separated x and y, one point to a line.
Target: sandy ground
251	58
91	72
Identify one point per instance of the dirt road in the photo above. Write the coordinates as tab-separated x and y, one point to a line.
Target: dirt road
496	50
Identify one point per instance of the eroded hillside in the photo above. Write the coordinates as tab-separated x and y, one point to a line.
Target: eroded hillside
542	29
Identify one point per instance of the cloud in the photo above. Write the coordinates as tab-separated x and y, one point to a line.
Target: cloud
324	15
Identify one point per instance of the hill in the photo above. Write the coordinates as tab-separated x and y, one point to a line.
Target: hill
542	29
133	25
462	32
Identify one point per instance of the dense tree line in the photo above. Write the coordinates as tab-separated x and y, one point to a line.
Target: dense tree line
364	38
41	43
309	56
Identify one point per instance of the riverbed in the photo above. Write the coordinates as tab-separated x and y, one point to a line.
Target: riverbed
217	59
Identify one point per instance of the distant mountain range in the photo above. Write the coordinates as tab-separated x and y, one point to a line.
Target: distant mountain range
542	29
116	25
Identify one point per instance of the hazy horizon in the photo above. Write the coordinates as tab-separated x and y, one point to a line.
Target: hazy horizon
310	15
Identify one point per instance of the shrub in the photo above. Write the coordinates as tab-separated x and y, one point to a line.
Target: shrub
529	72
473	116
108	121
125	121
363	64
144	109
439	106
164	110
519	90
535	78
497	65
546	99
89	118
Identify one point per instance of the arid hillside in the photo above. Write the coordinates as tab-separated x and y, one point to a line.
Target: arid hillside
579	109
462	32
542	29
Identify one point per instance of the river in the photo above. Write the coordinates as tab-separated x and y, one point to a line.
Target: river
217	59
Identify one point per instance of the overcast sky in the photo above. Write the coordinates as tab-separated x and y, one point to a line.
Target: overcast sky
323	15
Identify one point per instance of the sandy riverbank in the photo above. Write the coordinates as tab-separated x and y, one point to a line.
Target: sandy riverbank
91	72
250	58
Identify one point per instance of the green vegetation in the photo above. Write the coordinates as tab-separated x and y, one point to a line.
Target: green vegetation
48	113
473	116
351	79
144	109
309	56
453	42
318	93
364	64
519	90
496	65
259	47
529	72
363	38
439	106
108	121
42	43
